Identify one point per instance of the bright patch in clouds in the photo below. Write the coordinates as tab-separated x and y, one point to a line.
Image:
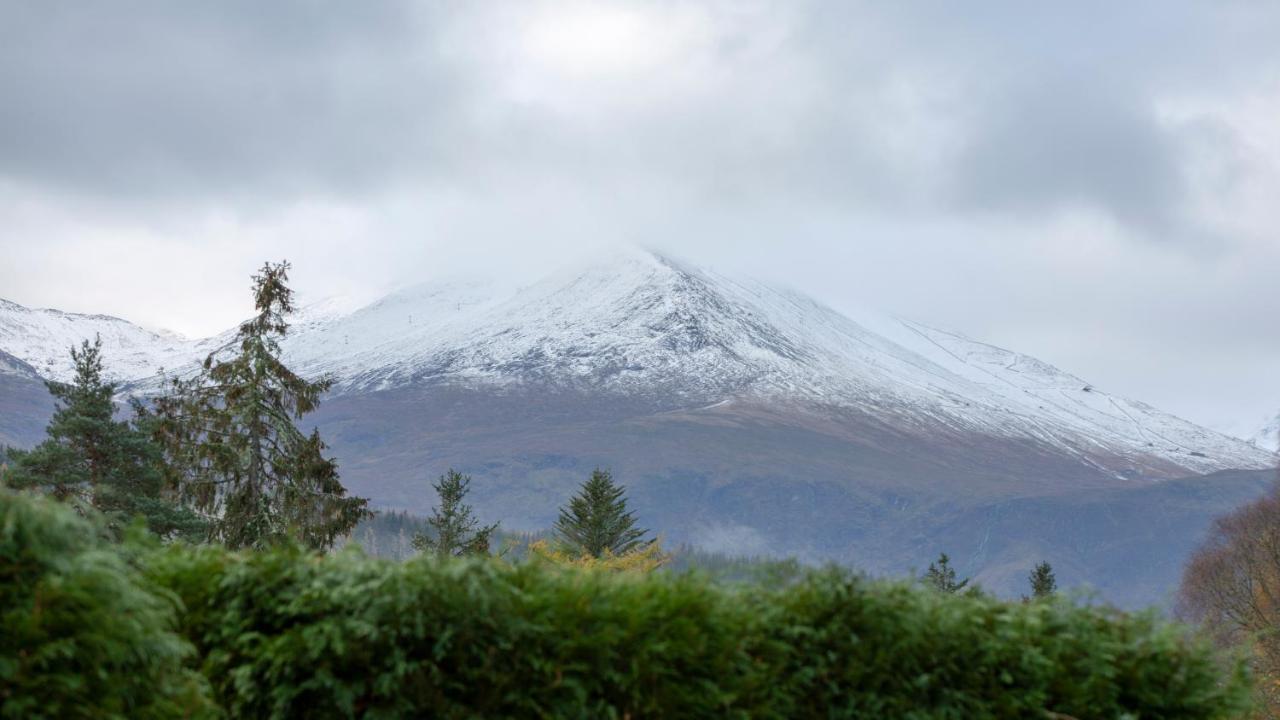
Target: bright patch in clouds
601	40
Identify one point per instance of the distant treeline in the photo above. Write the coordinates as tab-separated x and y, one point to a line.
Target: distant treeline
389	534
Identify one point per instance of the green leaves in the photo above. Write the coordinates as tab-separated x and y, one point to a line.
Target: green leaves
82	633
454	530
597	520
288	634
942	577
91	457
1042	580
232	441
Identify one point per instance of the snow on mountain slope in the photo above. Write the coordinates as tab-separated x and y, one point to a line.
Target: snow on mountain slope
637	323
41	338
1267	436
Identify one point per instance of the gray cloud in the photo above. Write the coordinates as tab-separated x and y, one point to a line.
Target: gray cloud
220	99
1090	182
1057	143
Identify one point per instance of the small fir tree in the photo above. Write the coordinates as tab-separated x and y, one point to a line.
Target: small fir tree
597	521
454	530
74	461
231	437
942	577
1043	582
91	457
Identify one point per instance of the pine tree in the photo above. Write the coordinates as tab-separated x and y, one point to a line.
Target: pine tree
597	521
1043	582
454	530
72	463
91	457
231	438
942	577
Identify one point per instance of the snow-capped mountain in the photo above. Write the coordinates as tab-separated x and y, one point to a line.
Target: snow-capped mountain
41	338
640	323
741	416
635	323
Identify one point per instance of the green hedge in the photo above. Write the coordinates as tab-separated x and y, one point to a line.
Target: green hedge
82	634
287	634
291	635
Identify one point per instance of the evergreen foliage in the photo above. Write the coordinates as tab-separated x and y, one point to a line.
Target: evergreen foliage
942	577
1043	582
91	457
287	634
231	437
597	521
452	528
82	633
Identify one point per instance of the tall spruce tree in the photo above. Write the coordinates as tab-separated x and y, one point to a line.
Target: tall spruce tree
596	520
454	530
942	577
1043	582
94	458
231	437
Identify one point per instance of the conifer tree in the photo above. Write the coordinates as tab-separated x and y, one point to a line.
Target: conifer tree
454	530
72	461
942	577
1043	582
94	458
231	437
596	520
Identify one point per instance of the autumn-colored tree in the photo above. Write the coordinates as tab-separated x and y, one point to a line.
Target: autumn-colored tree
641	558
1231	586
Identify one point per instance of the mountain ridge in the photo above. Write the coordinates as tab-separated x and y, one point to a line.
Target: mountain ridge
637	322
741	416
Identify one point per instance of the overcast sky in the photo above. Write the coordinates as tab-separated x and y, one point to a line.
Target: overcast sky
1093	183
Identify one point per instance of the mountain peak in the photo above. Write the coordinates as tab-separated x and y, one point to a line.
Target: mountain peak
625	263
632	321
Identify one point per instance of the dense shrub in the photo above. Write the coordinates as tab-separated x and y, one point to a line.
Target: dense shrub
286	634
82	635
290	635
854	649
